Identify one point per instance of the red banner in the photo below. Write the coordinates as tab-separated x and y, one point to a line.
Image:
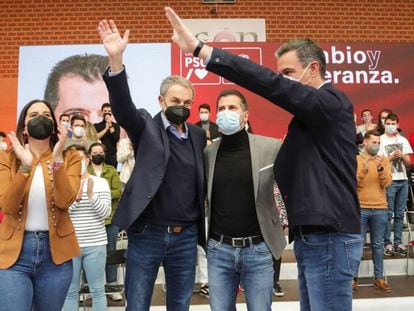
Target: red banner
373	75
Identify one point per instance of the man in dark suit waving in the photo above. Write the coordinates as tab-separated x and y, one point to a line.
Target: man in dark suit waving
315	167
162	206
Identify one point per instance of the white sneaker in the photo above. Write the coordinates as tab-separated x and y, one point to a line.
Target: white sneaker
115	297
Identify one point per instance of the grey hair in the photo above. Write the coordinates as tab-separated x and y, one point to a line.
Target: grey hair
173	80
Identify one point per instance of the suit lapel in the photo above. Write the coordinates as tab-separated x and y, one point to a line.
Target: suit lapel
164	137
211	166
255	158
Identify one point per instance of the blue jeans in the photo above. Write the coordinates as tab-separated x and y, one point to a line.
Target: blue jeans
146	251
92	260
112	234
228	266
326	266
397	195
376	220
34	280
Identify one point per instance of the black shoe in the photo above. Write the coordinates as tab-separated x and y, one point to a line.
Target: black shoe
277	291
401	249
204	291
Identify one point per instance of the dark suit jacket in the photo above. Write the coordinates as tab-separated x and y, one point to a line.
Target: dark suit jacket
152	151
316	165
213	128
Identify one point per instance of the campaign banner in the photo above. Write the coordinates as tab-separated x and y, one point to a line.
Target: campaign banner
373	75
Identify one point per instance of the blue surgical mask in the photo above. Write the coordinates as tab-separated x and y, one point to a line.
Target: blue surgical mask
64	124
390	129
228	122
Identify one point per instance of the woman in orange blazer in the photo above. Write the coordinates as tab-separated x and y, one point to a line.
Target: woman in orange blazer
37	238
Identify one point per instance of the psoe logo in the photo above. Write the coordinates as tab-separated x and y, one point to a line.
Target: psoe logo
194	68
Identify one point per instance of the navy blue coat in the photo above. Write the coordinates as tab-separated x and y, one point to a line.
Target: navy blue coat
152	151
316	165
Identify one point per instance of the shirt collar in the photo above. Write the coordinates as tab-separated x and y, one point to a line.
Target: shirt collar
169	127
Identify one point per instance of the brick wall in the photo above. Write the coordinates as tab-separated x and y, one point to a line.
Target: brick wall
49	22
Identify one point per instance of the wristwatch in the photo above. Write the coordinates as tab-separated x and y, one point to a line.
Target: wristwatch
198	48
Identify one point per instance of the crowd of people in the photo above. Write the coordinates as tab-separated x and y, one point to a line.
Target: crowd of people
210	192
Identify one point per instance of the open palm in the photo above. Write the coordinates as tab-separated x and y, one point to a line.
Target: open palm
113	43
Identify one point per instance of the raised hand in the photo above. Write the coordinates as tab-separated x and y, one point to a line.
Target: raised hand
23	153
183	36
114	44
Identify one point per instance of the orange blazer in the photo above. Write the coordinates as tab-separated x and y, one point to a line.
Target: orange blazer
61	187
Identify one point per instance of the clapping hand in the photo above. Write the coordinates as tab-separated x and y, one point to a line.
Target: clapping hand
60	145
23	153
89	190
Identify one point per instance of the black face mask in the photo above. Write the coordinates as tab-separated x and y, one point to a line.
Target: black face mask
40	127
98	159
177	114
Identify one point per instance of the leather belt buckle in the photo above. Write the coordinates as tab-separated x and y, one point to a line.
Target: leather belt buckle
238	242
172	229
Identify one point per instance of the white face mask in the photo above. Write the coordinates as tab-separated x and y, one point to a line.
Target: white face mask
204	116
78	131
3	146
84	167
301	76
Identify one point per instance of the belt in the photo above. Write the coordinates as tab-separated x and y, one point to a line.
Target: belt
236	242
311	229
138	227
168	229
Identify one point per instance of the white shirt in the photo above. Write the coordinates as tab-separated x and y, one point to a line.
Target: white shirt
37	206
387	146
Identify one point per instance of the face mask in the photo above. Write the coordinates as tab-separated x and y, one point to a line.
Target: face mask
40	127
373	149
83	167
177	114
98	159
79	131
3	146
64	124
301	76
204	116
367	119
228	122
107	114
382	121
390	129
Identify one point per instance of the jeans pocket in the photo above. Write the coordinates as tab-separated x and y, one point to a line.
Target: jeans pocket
191	229
261	248
353	249
136	229
211	244
316	239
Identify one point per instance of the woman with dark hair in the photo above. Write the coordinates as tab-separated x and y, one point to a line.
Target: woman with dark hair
37	238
